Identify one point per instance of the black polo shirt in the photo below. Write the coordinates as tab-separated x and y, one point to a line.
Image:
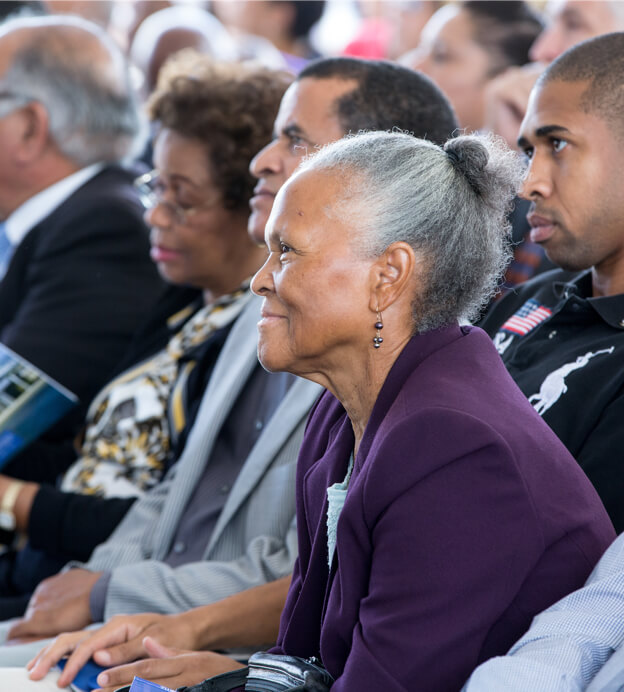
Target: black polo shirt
565	350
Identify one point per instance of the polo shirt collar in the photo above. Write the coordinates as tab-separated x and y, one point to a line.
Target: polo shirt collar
610	308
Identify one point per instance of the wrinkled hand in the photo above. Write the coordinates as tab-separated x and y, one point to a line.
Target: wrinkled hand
506	100
120	640
169	667
59	604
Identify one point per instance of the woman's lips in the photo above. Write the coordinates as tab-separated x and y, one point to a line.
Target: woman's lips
268	317
163	254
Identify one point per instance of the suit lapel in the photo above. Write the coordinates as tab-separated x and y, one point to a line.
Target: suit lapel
237	359
12	284
292	410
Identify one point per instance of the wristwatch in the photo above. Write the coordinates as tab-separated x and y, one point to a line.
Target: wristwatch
7	515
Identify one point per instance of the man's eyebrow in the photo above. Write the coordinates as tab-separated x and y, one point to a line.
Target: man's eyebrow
543	131
546	130
293	129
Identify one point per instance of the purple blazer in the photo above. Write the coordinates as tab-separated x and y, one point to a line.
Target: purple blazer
465	516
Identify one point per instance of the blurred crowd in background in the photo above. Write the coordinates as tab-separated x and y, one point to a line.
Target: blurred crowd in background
485	56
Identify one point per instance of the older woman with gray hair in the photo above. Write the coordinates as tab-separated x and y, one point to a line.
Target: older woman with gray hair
437	513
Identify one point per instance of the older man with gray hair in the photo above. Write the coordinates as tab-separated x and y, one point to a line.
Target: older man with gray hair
74	253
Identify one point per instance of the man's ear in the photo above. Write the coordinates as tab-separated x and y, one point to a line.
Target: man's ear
393	275
33	133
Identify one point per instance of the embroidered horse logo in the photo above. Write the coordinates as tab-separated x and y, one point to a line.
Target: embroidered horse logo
554	384
502	341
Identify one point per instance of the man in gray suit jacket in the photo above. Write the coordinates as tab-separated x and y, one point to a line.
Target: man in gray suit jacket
180	545
144	566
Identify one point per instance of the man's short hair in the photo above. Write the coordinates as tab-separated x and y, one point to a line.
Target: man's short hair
600	62
75	70
387	96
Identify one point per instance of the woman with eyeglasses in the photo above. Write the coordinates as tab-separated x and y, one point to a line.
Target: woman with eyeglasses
210	121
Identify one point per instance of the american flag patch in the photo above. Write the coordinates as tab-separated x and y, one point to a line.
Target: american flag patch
527	318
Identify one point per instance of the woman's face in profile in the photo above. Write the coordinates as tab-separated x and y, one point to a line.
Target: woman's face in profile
449	54
191	231
315	283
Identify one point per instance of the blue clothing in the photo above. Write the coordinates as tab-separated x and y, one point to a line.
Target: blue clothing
568	644
6	250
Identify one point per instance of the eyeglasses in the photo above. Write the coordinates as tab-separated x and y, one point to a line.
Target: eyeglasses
152	190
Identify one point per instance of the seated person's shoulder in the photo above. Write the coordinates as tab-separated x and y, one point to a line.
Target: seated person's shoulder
113	185
543	286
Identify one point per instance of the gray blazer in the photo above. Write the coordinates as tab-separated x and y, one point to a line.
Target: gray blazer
255	538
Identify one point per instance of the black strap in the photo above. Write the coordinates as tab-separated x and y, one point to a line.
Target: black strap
220	683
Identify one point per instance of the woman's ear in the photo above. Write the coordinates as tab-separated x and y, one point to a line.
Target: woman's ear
393	275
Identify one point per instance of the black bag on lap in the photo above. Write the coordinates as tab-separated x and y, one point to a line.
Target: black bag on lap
268	673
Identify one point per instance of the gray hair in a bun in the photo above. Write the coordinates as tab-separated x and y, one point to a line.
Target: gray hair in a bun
450	204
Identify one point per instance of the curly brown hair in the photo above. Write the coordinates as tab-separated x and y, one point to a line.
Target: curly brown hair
230	107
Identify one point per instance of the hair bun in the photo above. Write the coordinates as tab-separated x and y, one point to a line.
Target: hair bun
470	158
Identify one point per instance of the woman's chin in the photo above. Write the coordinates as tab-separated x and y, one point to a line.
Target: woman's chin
270	357
170	273
268	363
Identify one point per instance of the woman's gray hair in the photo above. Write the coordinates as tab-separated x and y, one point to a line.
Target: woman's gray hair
450	204
80	76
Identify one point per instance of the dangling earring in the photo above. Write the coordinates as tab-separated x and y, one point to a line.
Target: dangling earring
378	340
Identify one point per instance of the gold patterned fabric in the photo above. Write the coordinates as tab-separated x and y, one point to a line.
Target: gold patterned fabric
134	421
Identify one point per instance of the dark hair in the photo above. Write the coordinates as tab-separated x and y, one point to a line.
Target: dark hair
307	14
600	62
387	96
506	29
9	9
230	107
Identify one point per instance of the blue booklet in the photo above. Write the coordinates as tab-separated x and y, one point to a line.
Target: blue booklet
30	403
86	679
140	685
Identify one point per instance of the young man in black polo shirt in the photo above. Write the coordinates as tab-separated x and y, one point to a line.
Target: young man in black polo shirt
561	335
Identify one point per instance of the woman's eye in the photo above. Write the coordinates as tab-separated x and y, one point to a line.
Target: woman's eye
183	204
284	248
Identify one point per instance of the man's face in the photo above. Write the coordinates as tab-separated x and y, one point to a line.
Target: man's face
573	179
572	21
307	119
